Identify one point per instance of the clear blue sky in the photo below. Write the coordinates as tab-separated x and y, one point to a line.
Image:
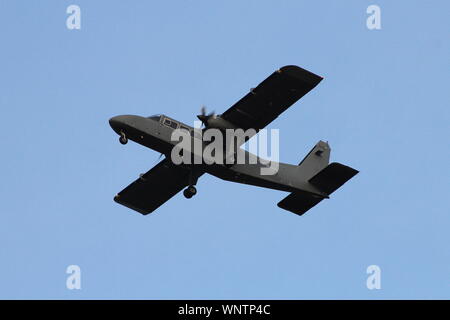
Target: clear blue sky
383	106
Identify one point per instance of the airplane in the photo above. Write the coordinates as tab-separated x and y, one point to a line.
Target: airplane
308	183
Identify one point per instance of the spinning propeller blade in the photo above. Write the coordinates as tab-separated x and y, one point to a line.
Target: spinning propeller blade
203	117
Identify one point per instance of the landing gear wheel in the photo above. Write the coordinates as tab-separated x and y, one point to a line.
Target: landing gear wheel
123	138
189	192
192	190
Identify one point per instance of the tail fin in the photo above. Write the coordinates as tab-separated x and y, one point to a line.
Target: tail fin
325	177
317	159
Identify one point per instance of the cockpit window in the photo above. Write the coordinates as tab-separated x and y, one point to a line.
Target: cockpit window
155	117
170	123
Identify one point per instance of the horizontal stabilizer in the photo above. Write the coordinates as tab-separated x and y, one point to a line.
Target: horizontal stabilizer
299	202
332	177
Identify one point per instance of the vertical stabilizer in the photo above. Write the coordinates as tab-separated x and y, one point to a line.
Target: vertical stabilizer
316	160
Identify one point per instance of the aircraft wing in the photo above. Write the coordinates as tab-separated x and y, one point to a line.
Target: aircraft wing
154	187
271	97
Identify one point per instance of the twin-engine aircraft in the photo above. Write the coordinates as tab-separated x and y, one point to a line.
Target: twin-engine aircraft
309	182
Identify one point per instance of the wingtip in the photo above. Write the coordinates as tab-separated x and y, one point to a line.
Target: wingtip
300	73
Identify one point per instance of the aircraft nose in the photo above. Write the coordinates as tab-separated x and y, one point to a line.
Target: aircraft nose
117	123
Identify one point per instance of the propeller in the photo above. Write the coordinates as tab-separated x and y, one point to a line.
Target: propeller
203	117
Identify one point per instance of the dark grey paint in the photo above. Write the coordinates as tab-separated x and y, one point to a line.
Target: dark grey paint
309	182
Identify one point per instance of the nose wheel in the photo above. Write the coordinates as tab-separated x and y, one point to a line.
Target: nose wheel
189	192
123	138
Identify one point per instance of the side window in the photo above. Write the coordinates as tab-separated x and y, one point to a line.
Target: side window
174	125
170	123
